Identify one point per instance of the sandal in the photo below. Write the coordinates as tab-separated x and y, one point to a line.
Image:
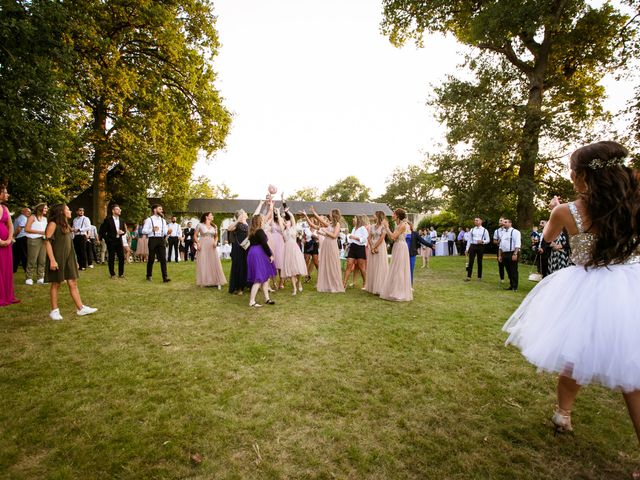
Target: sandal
254	305
270	302
562	421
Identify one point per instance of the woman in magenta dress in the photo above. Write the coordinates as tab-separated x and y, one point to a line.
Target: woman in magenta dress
7	296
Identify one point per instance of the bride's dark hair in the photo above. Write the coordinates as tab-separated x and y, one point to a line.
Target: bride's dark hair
612	200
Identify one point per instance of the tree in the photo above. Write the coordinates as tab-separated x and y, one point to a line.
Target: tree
130	83
202	187
414	188
306	194
554	51
348	189
145	87
41	156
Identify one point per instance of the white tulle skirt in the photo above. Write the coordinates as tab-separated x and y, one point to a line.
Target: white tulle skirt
584	324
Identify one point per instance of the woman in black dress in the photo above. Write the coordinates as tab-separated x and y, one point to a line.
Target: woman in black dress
238	232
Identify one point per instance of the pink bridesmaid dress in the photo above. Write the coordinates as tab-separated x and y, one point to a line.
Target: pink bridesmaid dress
7	296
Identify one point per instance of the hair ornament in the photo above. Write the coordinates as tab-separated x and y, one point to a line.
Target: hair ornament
598	163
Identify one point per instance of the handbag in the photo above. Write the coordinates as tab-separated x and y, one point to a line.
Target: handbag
535	276
245	243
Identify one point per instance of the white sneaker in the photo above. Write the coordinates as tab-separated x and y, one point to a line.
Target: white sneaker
40	281
91	266
55	314
86	310
28	281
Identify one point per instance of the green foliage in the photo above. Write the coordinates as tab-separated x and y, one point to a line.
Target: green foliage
305	194
348	189
536	71
444	219
203	187
414	189
41	157
136	90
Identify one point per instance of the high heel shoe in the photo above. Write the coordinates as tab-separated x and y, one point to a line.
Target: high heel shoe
562	421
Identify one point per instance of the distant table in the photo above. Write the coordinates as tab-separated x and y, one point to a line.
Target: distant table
442	248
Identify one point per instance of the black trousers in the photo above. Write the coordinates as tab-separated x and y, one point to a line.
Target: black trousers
501	268
187	250
173	246
450	246
157	250
475	250
511	266
91	252
80	246
20	254
115	248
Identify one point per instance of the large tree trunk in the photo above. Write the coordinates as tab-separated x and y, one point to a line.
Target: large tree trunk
100	164
529	147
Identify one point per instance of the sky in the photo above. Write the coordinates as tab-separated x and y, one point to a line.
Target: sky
317	93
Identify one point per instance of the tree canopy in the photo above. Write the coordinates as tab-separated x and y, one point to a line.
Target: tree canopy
348	189
536	68
414	188
132	82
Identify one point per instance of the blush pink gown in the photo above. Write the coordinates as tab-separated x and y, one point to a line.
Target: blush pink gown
7	297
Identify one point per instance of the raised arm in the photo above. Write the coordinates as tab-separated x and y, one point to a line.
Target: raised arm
259	208
317	217
400	229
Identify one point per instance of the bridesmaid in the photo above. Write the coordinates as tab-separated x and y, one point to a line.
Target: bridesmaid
259	262
329	268
294	265
377	263
397	288
275	234
238	232
142	248
208	266
7	296
61	261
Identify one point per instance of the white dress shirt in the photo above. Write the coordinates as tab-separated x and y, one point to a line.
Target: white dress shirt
155	221
81	225
21	222
478	236
175	229
510	240
362	234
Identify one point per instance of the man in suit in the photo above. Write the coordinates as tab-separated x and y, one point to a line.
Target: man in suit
112	231
188	234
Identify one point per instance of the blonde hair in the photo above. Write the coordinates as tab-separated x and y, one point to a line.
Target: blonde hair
335	217
239	212
380	216
364	220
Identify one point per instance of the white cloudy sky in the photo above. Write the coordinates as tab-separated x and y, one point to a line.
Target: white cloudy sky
317	93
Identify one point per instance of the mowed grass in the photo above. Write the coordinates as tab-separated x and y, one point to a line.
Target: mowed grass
317	386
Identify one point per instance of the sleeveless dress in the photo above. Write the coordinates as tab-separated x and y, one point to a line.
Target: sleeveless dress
397	287
142	248
293	263
329	267
63	252
7	296
208	266
584	323
378	263
276	242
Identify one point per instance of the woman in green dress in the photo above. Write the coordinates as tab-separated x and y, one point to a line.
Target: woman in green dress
61	261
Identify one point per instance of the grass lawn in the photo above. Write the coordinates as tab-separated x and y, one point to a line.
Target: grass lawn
317	386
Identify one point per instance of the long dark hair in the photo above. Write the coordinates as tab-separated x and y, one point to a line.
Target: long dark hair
256	224
57	216
612	200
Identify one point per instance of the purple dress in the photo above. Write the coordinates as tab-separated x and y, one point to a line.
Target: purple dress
7	296
259	267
